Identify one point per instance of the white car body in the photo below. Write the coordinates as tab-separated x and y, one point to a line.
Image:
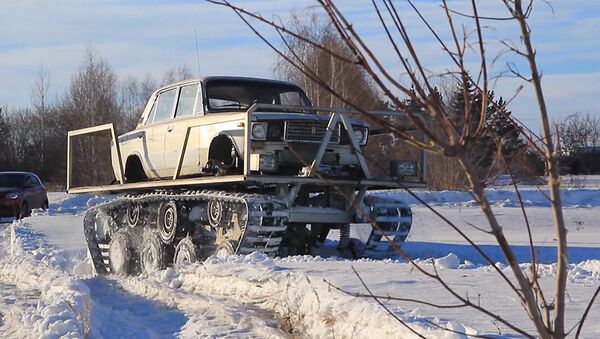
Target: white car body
154	145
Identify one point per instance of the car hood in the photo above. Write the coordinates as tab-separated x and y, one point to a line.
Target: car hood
5	190
298	116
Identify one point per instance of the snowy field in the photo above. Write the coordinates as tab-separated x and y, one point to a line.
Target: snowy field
48	289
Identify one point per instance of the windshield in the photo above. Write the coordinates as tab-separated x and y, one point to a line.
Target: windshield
241	94
11	180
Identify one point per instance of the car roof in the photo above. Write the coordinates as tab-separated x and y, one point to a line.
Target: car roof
231	78
18	172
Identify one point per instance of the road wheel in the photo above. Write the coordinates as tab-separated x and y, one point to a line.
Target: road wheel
153	253
133	214
215	213
45	205
121	253
226	248
186	252
167	221
24	211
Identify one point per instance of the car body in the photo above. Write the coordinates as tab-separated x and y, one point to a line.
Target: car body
20	192
215	109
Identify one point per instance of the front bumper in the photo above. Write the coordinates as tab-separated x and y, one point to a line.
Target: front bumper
295	156
9	208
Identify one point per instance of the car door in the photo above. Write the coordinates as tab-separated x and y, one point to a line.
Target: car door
185	110
156	127
33	192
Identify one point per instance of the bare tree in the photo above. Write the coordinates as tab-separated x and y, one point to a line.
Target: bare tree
173	75
39	100
348	79
132	101
4	141
92	99
147	86
579	133
452	138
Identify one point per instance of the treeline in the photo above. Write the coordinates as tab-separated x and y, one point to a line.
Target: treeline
34	138
579	134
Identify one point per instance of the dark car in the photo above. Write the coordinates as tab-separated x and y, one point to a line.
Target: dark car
20	192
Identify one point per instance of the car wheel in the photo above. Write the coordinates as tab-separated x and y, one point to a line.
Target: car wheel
45	205
24	211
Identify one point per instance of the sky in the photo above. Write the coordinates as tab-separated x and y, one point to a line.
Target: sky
150	37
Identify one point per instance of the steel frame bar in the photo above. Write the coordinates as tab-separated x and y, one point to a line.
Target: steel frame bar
90	130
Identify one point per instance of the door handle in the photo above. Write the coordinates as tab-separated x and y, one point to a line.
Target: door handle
169	128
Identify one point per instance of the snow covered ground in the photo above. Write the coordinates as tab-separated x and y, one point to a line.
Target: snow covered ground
47	288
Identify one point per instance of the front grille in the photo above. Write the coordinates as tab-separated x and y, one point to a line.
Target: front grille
309	131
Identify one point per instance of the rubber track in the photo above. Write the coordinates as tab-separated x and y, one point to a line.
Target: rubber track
262	226
394	218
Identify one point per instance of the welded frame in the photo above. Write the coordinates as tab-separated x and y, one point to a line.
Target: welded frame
93	130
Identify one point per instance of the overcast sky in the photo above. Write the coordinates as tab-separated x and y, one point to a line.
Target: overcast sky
138	37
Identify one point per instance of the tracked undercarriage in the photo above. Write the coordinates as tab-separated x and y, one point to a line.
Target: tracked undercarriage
148	232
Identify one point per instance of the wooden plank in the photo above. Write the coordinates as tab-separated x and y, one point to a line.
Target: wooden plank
89	130
69	154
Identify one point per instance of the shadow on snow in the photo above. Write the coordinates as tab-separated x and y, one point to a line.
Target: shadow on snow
543	254
118	314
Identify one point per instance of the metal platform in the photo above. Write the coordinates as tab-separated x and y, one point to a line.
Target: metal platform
208	181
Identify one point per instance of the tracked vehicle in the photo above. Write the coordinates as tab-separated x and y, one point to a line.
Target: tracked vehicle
227	165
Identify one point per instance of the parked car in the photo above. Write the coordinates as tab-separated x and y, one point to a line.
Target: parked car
20	192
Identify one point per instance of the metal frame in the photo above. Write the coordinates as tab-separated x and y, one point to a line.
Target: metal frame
90	130
335	116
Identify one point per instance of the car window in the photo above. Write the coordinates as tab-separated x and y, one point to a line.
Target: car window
187	98
31	182
151	115
11	180
227	94
290	99
164	106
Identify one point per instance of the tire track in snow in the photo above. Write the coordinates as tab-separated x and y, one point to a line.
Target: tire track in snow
114	313
13	303
207	315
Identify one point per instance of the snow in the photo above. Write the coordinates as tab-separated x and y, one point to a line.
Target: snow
450	261
48	289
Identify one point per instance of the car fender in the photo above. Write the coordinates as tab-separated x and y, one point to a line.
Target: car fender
236	136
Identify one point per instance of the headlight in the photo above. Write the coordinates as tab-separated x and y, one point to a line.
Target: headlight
361	134
12	196
259	131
